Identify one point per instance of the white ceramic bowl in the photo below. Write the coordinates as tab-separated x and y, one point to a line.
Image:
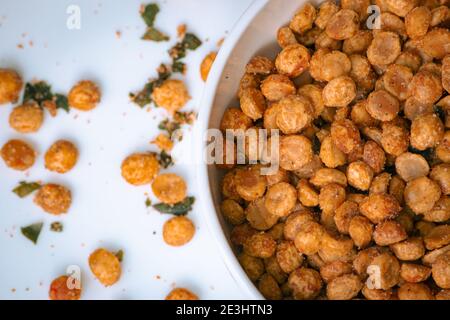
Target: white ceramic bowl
255	33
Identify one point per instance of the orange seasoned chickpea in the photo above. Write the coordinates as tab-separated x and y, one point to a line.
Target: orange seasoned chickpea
344	215
363	260
376	294
308	170
345	135
61	157
286	37
435	43
440	211
273	268
438	237
360	116
248	81
443	149
169	188
362	72
307	195
394	139
303	19
229	185
293	60
232	211
414	108
427	131
414	291
54	199
389	232
382	106
288	257
258	216
253	103
280	199
260	65
325	176
305	283
270	116
105	266
309	237
396	80
235	119
345	287
392	22
441	270
335	64
26	118
331	155
378	207
425	87
384	49
240	233
374	156
18	155
359	43
269	287
335	269
389	270
380	184
172	95
331	197
323	41
250	184
410	166
409	59
397	188
401	7
441	174
260	245
84	96
421	194
359	6
10	86
339	92
253	267
343	25
280	175
59	290
439	15
295	152
417	22
294	114
276	87
277	231
314	93
295	222
336	248
359	175
181	294
327	10
360	230
207	64
178	231
414	273
309	38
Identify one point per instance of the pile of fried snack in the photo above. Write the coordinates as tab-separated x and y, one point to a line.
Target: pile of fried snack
360	207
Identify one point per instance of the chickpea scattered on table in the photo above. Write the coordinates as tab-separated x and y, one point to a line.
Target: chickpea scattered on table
53	198
26	118
61	157
10	86
59	290
84	96
105	266
181	294
360	205
18	155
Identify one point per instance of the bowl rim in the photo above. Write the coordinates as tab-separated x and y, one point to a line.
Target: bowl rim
206	200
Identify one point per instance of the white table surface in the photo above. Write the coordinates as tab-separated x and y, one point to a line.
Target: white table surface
106	211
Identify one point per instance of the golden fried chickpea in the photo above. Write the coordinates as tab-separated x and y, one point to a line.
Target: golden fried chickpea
229	185
414	291
417	22
308	238
276	87
307	195
294	114
440	211
439	15
258	216
169	188
305	283
331	197
380	184
59	290
105	266
253	103
425	87
421	194
84	96
376	294
335	64
438	237
339	92
54	199
325	176
359	43
359	175
389	232
314	93
274	269
345	287
409	59
295	151
295	222
441	271
344	215
343	25
18	155
286	37
401	7
334	247
178	231
250	184
396	80
378	207
280	199
331	155
293	60
248	81
327	10
260	245
414	273
345	135
382	106
427	131
181	294
140	168
61	157
435	43
253	267
10	86
26	118
288	257
413	108
235	119
394	139
384	49
334	269
240	233
410	166
303	19
259	65
359	6
232	211
441	174
206	65
269	287
360	230
363	259
389	270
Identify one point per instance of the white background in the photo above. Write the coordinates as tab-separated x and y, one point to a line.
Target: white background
106	211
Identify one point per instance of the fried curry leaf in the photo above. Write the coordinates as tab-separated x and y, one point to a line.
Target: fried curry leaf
56	227
153	34
169	126
32	231
165	160
144	97
179	209
26	188
191	41
149	14
39	92
119	255
178	66
62	102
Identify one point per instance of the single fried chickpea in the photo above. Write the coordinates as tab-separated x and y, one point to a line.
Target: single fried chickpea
294	114
206	65
401	7
295	152
396	80
26	118
10	86
232	211
140	168
250	184
260	245
343	25
260	65
172	95
359	43
326	11
178	231
253	103
417	22
84	96
427	131
18	155
59	290
421	194
384	49
53	198
425	87
105	266
61	157
281	199
293	60
269	287
286	37
276	87
345	135
181	294
339	92
169	188
303	19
